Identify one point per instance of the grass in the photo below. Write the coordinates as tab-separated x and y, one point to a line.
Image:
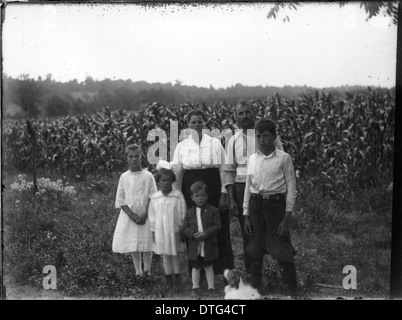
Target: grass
75	235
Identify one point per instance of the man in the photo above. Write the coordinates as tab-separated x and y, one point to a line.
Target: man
240	147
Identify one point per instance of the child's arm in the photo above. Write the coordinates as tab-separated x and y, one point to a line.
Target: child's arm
290	178
121	201
186	229
247	194
212	230
142	219
133	216
120	194
151	190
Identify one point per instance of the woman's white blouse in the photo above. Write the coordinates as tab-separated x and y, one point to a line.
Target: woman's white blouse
190	155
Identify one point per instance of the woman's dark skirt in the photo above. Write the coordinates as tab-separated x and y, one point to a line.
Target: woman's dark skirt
213	180
265	217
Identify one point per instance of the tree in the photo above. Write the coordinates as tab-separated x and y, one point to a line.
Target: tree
29	95
58	106
372	8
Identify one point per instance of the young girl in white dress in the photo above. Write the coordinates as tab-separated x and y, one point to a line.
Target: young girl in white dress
166	215
132	234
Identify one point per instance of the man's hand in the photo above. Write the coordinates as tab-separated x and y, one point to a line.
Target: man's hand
223	202
247	226
234	211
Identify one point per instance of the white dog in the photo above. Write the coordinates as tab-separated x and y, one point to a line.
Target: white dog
240	287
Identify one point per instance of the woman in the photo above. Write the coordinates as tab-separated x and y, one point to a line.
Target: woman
201	157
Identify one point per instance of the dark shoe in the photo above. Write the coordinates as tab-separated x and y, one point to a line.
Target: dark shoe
211	292
177	282
256	268
292	292
169	281
195	293
290	278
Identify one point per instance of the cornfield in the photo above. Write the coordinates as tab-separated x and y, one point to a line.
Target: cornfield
339	144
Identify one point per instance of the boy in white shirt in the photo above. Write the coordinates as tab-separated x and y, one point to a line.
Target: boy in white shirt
269	199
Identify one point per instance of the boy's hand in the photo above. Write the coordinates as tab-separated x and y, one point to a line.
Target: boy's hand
284	226
201	236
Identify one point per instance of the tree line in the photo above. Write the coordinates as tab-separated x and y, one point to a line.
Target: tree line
26	97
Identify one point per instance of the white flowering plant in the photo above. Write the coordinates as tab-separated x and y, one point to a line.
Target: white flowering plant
44	185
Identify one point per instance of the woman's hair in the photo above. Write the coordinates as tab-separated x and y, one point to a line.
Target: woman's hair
265	124
199	186
133	147
164	172
195	112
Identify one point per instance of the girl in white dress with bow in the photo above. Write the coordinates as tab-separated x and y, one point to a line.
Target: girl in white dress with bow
166	215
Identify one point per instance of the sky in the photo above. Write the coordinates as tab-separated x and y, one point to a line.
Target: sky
219	45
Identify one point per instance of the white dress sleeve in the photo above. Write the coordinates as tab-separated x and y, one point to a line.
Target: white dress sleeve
177	168
120	194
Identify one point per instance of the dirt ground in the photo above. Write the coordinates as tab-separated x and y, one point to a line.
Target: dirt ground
15	291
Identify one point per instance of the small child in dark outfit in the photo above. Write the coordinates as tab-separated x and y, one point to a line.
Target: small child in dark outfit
201	225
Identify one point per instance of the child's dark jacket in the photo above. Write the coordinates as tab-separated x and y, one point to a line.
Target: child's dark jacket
211	223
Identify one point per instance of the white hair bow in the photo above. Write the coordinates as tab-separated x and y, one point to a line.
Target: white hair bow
162	164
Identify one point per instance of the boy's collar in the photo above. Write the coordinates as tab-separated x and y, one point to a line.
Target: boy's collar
272	154
203	207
